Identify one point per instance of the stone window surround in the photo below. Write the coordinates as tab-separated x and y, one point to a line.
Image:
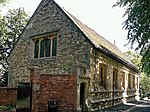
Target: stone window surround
102	75
129	83
122	79
41	37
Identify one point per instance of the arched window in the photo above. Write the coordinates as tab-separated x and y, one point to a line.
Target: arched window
36	49
47	47
42	48
54	48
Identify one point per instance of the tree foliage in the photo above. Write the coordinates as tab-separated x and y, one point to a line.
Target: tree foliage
135	58
3	3
11	27
138	26
145	83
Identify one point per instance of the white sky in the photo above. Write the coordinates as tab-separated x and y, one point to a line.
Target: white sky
97	14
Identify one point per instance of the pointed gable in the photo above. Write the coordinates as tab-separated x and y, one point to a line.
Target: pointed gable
47	14
45	17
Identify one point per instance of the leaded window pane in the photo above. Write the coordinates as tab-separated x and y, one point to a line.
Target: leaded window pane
54	47
36	49
47	47
42	46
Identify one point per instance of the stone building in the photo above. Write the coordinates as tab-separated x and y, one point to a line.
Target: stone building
68	62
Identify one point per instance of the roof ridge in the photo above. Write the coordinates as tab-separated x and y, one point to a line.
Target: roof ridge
98	40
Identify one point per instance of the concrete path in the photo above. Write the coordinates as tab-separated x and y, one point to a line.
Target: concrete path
132	106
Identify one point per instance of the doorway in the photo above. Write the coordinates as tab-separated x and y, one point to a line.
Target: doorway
82	96
24	97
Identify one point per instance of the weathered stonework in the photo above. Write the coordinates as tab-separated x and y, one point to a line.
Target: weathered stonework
98	93
72	45
77	53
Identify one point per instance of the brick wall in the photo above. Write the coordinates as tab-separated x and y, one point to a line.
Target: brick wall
62	88
8	96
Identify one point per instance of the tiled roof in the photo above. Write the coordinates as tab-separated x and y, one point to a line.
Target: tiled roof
100	42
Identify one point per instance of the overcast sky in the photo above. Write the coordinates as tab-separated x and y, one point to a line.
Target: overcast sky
97	14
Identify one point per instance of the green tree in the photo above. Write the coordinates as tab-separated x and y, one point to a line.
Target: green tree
138	26
3	2
145	83
11	27
135	58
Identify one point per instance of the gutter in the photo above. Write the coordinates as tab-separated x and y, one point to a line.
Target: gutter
115	57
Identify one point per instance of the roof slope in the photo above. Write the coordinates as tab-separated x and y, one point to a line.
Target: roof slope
100	42
97	40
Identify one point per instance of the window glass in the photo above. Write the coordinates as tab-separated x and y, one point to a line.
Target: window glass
102	75
42	46
129	81
36	49
47	47
54	47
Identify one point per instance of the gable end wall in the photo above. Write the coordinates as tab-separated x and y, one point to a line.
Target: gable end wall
72	47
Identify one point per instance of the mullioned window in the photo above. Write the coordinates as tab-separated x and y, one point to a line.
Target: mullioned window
45	46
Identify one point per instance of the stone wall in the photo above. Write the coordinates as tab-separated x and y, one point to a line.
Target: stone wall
8	96
73	57
100	58
72	46
108	96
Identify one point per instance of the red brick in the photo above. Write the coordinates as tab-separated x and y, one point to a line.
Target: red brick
62	88
8	95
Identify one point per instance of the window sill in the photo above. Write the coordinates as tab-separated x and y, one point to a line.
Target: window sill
45	58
